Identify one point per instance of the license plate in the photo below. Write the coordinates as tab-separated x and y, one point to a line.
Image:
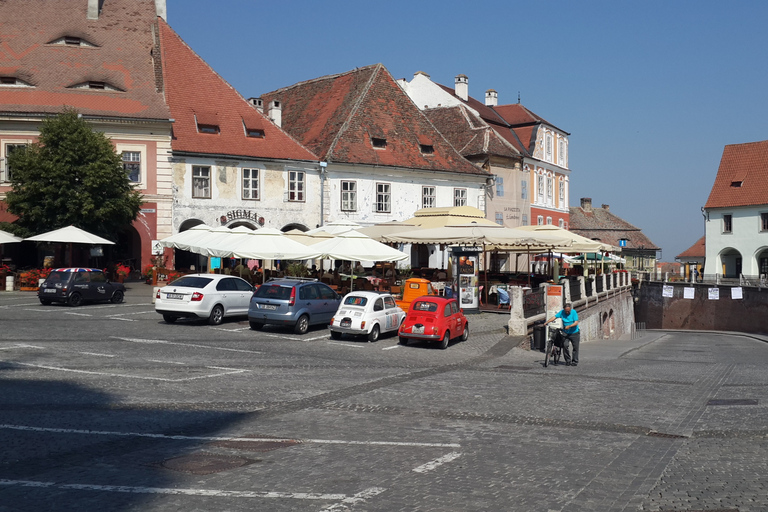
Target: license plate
418	329
49	290
177	296
267	306
346	323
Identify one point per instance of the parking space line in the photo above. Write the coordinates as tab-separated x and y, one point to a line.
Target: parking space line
390	348
96	354
344	344
123	319
225	349
76	314
178	491
354	500
429	466
323	337
27	428
138	377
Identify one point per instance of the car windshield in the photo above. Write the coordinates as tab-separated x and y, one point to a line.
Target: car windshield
59	277
273	291
191	282
352	300
423	305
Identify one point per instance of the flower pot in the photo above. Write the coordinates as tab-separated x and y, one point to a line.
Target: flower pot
121	278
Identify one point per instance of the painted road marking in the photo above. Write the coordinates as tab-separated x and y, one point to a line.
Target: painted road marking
354	500
390	348
27	428
95	354
219	493
139	377
345	344
429	466
123	319
77	314
225	349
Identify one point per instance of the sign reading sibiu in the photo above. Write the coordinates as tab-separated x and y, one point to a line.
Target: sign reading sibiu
242	215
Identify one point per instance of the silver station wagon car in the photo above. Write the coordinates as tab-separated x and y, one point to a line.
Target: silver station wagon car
294	302
366	314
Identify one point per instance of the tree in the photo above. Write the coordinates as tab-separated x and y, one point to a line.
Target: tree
71	176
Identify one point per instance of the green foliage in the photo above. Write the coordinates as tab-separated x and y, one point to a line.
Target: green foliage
296	269
71	176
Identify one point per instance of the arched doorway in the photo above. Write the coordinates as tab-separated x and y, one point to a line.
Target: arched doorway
189	260
127	250
761	258
730	262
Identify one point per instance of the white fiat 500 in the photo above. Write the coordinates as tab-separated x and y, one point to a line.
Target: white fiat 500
366	314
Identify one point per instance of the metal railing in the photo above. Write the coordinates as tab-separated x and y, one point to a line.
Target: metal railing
757	281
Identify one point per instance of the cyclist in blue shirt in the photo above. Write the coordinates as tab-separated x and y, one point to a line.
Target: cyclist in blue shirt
570	333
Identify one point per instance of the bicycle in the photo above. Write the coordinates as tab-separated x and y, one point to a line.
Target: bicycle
554	346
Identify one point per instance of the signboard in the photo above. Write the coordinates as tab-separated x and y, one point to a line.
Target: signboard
688	292
157	248
714	294
667	291
737	293
554	299
466	282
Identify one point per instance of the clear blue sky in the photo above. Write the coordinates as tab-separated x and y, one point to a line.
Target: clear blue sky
650	91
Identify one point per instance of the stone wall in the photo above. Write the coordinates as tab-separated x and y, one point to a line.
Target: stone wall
747	314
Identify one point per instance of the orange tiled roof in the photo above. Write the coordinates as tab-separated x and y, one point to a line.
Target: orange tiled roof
336	116
468	133
601	224
118	53
697	250
196	94
742	179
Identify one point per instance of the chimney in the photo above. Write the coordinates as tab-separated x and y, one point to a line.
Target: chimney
491	98
420	73
586	204
258	103
93	9
276	113
160	9
462	87
606	208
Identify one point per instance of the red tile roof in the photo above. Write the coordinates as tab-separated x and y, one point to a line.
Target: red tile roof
121	57
196	94
742	179
336	116
468	133
601	224
697	250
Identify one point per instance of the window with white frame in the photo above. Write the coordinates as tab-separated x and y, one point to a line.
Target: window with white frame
499	186
562	192
459	197
540	191
561	223
132	165
296	185
427	197
727	223
550	186
540	220
764	221
383	198
548	147
549	221
349	196
201	181
524	189
500	218
251	184
8	150
561	153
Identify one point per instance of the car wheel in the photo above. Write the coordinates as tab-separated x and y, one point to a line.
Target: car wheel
256	326
403	341
446	339
45	302
169	319
217	315
302	325
75	300
117	297
466	333
335	335
374	334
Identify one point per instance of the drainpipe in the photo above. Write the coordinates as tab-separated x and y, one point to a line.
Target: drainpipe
323	167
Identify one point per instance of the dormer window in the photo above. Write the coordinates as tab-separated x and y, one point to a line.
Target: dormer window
255	133
379	143
208	128
427	149
13	81
73	41
253	127
96	85
737	184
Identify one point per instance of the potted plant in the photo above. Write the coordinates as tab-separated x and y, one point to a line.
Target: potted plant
148	274
122	272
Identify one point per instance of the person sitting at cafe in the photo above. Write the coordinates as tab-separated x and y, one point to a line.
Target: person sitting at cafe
359	269
441	275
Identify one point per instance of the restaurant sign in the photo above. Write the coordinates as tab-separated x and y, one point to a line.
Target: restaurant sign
242	215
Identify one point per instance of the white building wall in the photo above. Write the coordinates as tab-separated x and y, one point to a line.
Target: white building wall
746	237
427	94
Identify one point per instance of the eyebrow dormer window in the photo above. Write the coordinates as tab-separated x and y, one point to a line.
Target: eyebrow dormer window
427	149
255	133
13	81
96	86
737	184
379	143
73	41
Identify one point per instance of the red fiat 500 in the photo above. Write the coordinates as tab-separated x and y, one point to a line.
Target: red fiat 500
434	318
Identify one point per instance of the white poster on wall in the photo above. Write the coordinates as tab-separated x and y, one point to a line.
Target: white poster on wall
667	291
736	293
714	294
688	292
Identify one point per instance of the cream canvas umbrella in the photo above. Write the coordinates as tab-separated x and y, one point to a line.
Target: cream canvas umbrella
183	240
308	239
70	235
480	235
267	244
8	238
578	243
378	231
336	227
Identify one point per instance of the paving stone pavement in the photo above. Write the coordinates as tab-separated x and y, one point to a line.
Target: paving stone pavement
106	407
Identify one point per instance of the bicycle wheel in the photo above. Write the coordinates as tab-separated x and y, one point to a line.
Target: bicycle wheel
547	353
557	352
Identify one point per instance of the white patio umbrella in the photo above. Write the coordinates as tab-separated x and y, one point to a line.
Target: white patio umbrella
8	238
335	227
70	235
377	231
579	243
267	244
478	234
183	240
355	246
306	238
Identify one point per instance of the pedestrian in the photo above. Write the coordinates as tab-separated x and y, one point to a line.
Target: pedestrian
570	333
695	275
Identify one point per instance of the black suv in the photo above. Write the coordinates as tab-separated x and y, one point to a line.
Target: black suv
293	301
74	286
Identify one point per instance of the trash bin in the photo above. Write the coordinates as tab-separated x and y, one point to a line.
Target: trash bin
539	336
